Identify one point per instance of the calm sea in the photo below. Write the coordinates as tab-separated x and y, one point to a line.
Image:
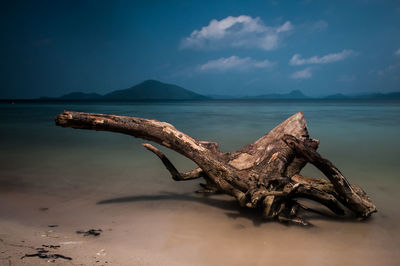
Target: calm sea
360	137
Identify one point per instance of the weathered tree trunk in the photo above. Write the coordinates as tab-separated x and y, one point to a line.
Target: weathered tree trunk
264	174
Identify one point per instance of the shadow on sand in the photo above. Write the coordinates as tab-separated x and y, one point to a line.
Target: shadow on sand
217	201
233	210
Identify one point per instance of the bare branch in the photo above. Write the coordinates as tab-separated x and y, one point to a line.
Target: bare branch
356	201
176	175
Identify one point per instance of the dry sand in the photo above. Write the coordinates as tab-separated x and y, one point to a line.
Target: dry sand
181	229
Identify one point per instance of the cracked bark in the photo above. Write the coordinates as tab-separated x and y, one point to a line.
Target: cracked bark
264	174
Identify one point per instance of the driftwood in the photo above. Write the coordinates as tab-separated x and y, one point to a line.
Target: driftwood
264	174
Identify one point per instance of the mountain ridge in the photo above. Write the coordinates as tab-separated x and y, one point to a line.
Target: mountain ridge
294	94
146	90
151	89
154	90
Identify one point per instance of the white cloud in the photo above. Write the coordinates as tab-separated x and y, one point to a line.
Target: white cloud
296	60
234	63
241	32
302	74
397	52
287	26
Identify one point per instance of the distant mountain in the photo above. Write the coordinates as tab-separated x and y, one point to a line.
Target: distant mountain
390	95
222	97
337	96
147	90
154	90
294	94
81	96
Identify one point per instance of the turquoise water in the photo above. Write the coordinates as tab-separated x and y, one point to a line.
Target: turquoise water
360	137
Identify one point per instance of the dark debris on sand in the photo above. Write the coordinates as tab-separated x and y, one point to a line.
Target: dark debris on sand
51	246
93	232
44	254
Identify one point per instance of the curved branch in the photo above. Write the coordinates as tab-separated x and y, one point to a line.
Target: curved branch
309	192
356	200
222	175
176	175
160	132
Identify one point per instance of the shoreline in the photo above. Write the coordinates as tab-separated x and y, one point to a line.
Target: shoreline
159	231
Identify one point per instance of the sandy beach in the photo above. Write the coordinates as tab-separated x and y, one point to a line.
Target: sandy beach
181	229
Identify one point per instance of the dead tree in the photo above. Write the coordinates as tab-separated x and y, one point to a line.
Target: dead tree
264	174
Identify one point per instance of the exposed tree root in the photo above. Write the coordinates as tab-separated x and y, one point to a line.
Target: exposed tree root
264	174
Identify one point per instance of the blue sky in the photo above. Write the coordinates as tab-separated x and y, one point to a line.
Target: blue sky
226	47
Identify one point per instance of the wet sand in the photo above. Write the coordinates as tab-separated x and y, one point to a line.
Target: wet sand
182	229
